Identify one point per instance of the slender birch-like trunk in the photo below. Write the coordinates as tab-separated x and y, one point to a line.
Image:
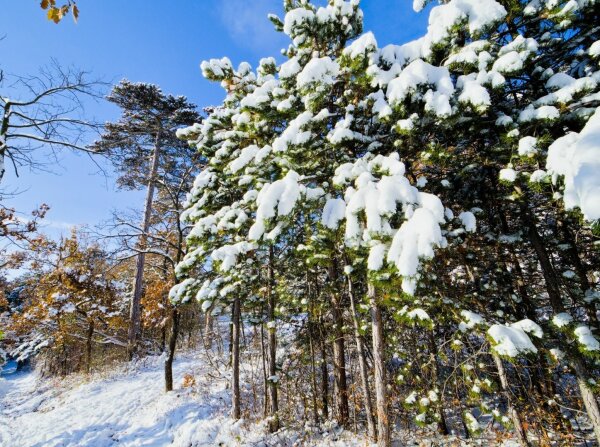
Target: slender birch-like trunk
383	422
134	310
362	364
514	415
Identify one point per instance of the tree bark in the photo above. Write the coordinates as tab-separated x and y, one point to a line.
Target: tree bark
272	342
134	311
313	370
3	134
587	395
552	287
383	423
88	346
442	426
339	352
172	346
324	381
264	369
235	359
362	364
514	415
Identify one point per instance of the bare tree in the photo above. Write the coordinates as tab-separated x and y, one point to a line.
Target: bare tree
44	116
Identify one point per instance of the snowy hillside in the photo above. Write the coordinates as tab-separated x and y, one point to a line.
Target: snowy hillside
130	408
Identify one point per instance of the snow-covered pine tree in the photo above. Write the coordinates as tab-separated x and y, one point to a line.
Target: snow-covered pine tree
372	158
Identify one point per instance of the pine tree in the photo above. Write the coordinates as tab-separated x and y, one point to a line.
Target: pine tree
144	148
416	171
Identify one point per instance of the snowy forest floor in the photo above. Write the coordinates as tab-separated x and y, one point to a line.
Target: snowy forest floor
128	407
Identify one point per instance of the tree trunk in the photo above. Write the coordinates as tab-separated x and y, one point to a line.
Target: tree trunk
383	423
272	341
134	311
512	411
313	371
362	364
3	133
208	329
587	395
88	346
339	352
324	381
264	369
442	426
171	353
236	412
552	287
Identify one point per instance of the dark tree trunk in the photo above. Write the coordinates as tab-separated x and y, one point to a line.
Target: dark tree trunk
557	304
235	359
272	341
171	349
88	347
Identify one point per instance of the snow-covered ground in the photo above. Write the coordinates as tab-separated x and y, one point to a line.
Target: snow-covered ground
130	408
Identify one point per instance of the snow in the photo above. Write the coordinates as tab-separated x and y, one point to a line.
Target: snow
418	314
333	213
418	5
472	319
297	18
415	240
540	113
216	68
520	44
260	96
559	80
528	146
472	423
594	50
468	220
562	319
318	70
508	63
289	68
365	44
419	73
510	341
478	14
279	198
530	327
508	175
538	176
577	158
129	408
377	199
473	92
228	254
586	338
376	257
293	133
246	155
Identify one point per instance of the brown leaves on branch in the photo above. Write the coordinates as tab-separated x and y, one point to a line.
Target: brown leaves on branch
57	13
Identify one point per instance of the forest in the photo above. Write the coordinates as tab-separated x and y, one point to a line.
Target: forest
360	244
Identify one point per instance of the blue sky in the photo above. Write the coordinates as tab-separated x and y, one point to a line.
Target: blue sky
161	42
